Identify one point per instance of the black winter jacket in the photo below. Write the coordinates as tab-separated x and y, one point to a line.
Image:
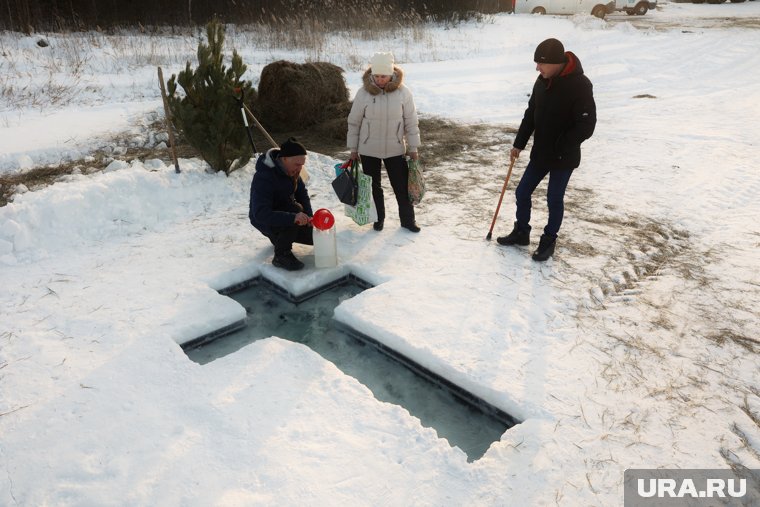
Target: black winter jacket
275	198
561	115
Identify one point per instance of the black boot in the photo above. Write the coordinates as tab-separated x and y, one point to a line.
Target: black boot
378	226
287	261
411	226
516	237
545	248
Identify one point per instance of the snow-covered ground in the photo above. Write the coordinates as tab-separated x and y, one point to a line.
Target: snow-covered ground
634	347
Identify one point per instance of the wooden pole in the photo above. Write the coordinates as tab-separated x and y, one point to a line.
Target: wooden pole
261	127
304	172
168	115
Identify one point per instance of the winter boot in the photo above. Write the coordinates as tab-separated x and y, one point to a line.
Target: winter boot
378	226
545	248
287	261
516	237
411	226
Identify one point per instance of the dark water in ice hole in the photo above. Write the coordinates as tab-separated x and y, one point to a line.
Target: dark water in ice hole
310	323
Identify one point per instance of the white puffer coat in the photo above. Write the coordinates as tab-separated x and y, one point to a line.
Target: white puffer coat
382	123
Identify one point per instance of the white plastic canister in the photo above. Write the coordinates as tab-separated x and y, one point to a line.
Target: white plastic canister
325	248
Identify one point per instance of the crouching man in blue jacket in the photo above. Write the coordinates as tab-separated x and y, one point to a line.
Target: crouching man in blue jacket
280	207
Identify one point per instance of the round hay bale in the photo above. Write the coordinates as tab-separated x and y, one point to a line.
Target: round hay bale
335	122
297	95
334	129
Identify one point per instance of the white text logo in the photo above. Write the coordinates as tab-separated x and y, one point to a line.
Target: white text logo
672	488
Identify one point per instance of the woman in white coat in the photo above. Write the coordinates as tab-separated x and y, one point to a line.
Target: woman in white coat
382	128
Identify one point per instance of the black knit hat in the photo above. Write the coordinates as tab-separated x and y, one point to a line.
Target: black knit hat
550	51
292	148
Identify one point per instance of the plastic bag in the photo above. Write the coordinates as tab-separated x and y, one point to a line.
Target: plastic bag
416	184
346	185
364	212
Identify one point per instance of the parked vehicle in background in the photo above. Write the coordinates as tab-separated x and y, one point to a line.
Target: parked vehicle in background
637	7
708	1
598	8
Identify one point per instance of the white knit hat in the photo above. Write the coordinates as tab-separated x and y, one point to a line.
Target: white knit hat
381	64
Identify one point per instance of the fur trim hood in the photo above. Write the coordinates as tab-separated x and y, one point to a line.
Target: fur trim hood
396	81
271	160
270	156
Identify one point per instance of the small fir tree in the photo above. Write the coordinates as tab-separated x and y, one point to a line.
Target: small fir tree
208	115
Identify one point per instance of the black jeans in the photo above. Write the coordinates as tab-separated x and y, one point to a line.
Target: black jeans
398	174
283	237
555	196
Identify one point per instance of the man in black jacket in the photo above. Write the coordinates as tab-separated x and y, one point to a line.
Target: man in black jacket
561	115
280	207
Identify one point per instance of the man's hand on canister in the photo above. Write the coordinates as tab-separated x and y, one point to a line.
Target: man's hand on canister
301	219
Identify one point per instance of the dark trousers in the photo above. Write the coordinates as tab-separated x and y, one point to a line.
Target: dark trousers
555	196
283	237
398	174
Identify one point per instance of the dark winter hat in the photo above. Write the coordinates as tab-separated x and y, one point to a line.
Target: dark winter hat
292	148
550	51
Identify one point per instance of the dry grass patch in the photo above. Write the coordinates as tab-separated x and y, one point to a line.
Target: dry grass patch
444	141
40	177
723	336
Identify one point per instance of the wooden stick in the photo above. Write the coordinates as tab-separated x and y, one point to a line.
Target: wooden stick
304	171
261	127
496	214
168	115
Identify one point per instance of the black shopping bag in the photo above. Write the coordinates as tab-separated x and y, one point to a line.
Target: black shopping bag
346	186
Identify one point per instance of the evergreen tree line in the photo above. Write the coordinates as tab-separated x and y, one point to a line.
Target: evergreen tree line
63	15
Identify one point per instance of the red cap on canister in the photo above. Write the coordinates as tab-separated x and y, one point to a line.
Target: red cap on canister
323	219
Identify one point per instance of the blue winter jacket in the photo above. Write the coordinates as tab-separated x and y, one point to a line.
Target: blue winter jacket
275	198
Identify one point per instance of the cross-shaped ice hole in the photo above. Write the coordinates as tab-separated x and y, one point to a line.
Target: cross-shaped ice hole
456	415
